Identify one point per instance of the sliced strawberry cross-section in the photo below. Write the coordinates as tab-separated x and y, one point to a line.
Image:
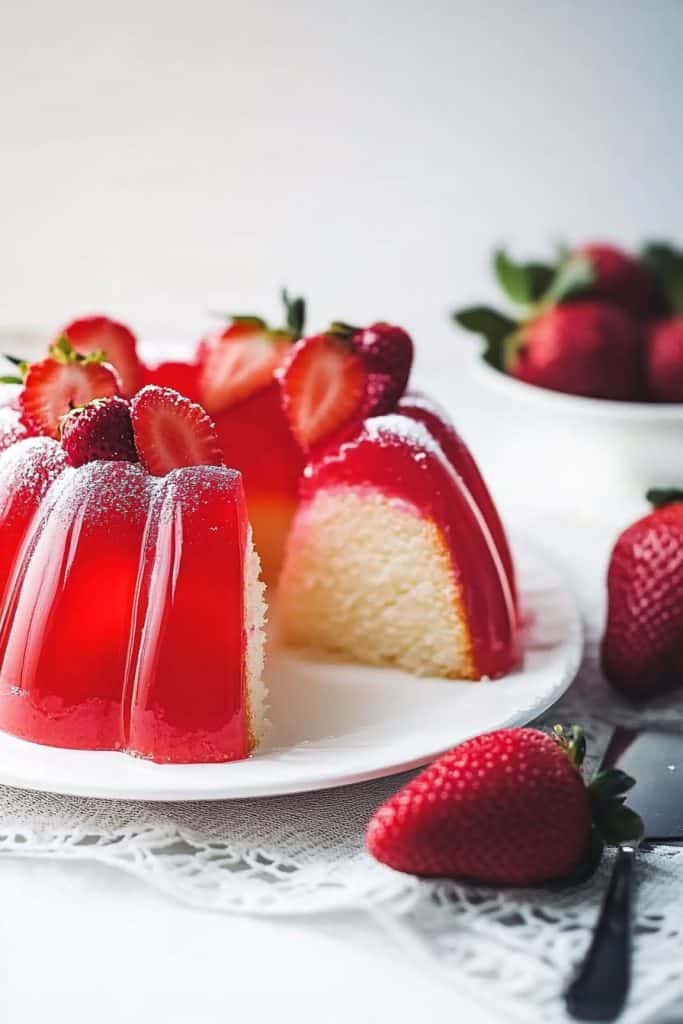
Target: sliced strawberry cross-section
58	384
118	343
239	360
171	431
323	384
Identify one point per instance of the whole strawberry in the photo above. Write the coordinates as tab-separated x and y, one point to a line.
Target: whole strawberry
620	279
560	340
664	339
664	358
642	649
102	429
506	808
584	348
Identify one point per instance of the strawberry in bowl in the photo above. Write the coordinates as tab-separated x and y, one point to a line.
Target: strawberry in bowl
583	375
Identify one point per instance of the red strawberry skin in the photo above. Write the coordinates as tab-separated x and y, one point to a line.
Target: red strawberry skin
665	360
584	348
506	808
642	649
388	354
100	430
622	280
100	333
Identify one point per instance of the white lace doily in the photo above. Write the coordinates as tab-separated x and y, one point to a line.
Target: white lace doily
512	949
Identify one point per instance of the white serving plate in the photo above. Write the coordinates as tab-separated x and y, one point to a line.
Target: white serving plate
334	724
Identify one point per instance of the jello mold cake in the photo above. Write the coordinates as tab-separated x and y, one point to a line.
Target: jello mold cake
138	503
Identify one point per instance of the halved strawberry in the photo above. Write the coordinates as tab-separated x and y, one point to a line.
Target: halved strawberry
171	431
99	430
323	385
101	334
54	386
239	360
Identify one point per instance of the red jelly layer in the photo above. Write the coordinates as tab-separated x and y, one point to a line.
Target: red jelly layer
256	438
397	456
424	410
121	623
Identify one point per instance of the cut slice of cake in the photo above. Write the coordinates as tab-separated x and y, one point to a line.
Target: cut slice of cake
391	561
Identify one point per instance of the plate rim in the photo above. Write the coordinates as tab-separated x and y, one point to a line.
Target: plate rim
572	644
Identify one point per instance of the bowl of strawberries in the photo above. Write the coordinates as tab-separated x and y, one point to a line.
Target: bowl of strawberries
582	375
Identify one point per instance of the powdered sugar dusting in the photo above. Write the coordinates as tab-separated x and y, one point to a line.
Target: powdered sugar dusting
32	464
192	486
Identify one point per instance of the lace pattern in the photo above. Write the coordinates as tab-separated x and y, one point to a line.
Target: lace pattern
514	949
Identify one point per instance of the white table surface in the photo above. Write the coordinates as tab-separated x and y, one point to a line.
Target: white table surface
159	159
84	943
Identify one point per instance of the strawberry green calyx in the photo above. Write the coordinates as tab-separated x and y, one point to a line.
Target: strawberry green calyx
660	497
295	314
615	822
295	319
63	352
533	288
257	322
573	742
22	369
665	263
612	822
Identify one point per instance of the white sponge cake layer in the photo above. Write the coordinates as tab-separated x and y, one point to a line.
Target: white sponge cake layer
368	577
255	619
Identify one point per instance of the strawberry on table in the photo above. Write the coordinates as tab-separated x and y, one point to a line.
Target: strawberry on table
118	343
642	649
102	429
507	808
56	385
171	431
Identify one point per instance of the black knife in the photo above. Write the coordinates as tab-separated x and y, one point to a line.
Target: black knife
654	758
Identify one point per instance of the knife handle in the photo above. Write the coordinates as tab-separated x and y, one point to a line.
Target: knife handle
601	986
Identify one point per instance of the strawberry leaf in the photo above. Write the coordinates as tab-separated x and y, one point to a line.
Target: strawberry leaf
493	326
11	380
665	263
659	497
610	783
573	278
295	314
512	278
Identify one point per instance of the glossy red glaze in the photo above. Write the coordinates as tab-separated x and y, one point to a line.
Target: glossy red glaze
425	411
256	439
108	579
181	376
397	456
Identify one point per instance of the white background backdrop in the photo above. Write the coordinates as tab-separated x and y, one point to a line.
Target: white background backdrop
162	158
